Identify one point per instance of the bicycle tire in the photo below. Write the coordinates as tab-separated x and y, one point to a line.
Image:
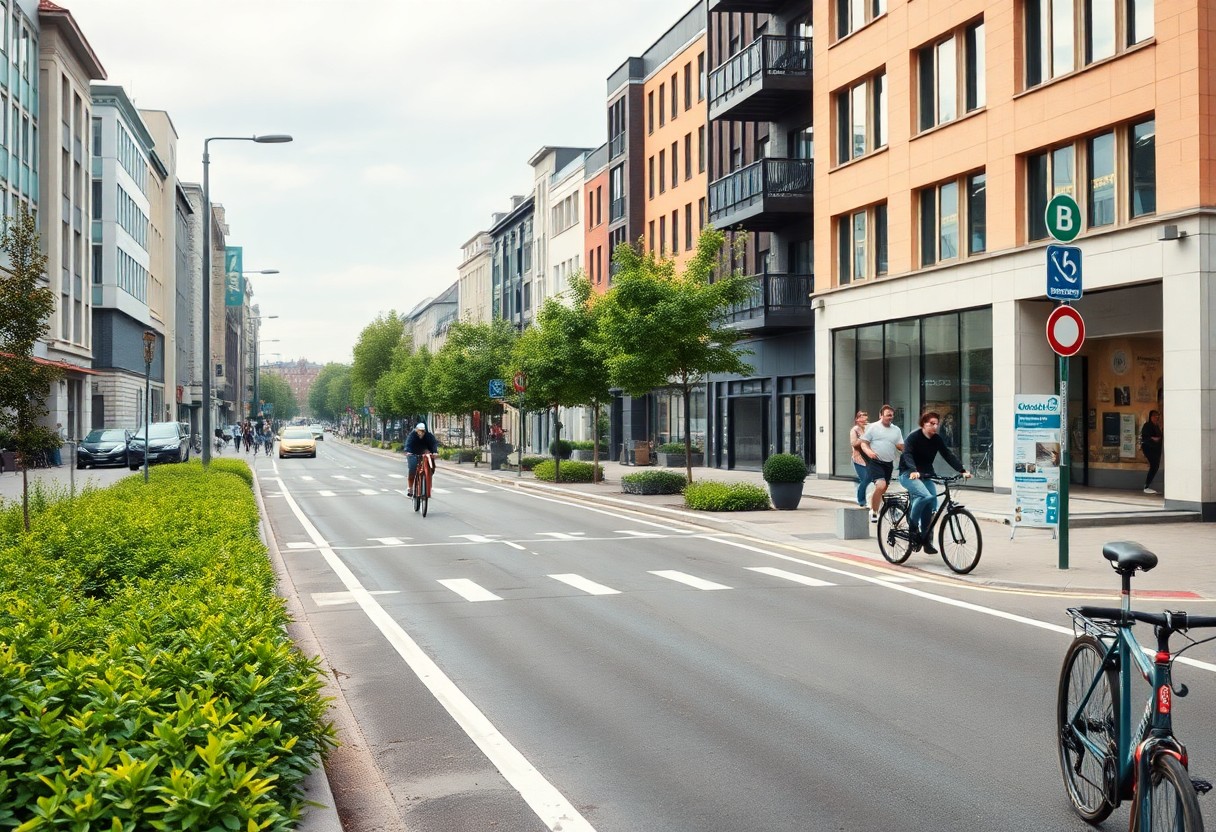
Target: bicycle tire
894	540
954	540
1172	800
1085	776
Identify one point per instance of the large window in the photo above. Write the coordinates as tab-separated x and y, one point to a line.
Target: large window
861	244
861	118
1116	170
951	76
953	215
851	15
1065	35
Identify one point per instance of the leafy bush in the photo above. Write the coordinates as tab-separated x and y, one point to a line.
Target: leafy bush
710	495
398	447
560	447
460	454
571	471
653	482
529	463
784	468
676	448
146	677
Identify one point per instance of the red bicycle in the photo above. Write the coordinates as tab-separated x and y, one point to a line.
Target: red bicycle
420	484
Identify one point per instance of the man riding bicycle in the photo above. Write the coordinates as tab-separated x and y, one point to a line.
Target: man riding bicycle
921	449
419	441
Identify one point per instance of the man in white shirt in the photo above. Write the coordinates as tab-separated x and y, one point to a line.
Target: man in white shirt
881	444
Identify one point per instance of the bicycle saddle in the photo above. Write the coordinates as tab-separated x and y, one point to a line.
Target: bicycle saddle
1128	556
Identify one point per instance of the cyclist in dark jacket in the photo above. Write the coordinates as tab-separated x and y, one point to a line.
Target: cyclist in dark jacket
921	449
419	441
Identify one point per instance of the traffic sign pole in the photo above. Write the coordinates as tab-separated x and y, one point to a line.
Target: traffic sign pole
1065	466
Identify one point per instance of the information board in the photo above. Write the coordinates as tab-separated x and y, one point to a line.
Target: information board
1036	461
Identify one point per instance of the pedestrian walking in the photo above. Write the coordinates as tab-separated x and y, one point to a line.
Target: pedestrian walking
1151	439
860	420
881	443
60	438
236	438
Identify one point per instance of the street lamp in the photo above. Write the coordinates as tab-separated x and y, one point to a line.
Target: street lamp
149	353
256	366
273	138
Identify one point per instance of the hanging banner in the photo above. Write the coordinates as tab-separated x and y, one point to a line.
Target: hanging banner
1036	461
234	282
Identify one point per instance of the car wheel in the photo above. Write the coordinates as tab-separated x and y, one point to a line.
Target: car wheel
313	455
133	467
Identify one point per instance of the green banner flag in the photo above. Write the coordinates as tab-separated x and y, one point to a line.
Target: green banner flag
234	283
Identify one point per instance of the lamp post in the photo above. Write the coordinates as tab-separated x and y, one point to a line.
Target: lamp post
274	138
256	366
149	353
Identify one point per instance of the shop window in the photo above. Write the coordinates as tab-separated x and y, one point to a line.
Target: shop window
1065	35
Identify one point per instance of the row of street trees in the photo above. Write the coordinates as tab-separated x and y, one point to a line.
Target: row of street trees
654	328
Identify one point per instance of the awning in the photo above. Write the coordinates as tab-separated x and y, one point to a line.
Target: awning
62	365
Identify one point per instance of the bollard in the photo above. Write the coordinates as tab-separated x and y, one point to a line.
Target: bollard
852	523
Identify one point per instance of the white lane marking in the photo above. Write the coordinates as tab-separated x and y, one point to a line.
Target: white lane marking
473	491
477	538
550	805
904	579
468	590
368	491
691	580
326	493
440	491
390	541
301	546
590	587
308	479
516	546
368	476
789	576
340	477
333	599
564	535
397	476
637	533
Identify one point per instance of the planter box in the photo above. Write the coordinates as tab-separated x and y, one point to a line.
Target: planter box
677	460
785	495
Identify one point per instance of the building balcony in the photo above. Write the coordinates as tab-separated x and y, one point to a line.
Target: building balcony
763	196
757	6
616	146
765	81
776	302
616	209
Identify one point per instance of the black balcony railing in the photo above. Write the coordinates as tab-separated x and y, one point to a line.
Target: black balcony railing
779	55
616	145
760	180
616	209
774	297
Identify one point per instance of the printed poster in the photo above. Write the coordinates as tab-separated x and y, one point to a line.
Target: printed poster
1036	460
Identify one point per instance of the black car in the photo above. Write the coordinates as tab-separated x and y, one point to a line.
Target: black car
104	446
170	443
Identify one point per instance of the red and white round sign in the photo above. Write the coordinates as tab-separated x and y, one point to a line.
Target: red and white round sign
1065	331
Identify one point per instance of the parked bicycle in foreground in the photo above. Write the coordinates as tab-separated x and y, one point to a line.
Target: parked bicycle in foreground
1103	759
420	485
958	532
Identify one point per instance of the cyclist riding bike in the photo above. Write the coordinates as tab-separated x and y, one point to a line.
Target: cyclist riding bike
921	449
419	441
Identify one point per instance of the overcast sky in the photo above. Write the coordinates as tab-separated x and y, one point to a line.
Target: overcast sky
413	122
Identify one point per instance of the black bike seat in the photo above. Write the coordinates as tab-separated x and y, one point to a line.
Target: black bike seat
1129	556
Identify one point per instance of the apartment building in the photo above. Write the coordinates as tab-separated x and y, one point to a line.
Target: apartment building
595	216
66	66
511	263
565	235
188	245
951	126
473	295
548	195
300	376
162	254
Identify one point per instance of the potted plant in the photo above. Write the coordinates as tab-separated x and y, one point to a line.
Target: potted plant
671	455
785	474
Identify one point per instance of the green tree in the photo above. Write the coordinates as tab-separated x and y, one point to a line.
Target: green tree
26	304
318	394
276	392
559	355
460	372
660	329
338	395
374	355
402	392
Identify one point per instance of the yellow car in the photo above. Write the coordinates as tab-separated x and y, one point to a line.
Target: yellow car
297	441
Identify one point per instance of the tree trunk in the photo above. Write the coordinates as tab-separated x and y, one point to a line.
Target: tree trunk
557	446
595	442
685	387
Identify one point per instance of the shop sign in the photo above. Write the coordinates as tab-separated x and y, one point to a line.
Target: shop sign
1037	426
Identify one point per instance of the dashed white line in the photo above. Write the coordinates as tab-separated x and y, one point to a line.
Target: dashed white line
690	580
326	493
368	491
789	576
588	586
468	590
389	541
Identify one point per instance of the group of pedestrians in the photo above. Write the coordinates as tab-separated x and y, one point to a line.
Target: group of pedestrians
878	446
255	436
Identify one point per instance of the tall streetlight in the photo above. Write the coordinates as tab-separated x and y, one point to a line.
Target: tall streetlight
149	354
273	138
256	362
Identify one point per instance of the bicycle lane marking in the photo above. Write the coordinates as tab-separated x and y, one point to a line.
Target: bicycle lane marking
554	810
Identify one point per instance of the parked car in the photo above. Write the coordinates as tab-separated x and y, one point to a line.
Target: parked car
169	443
318	432
297	441
103	446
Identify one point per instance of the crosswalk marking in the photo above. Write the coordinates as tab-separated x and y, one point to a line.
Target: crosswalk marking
590	587
789	576
308	479
564	535
478	538
636	533
368	491
690	580
475	490
326	493
468	590
389	541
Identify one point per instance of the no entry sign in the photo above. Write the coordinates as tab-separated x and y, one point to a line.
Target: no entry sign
1065	331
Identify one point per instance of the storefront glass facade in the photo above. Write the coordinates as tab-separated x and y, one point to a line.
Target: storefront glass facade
942	363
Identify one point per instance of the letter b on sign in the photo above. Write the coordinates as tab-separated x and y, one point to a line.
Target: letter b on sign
1063	218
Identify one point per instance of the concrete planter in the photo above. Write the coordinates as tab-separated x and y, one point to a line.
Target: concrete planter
677	460
587	456
785	495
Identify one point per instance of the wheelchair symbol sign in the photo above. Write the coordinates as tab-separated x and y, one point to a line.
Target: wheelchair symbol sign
1063	273
498	388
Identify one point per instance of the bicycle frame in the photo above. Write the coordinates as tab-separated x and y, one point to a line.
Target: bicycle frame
425	469
945	503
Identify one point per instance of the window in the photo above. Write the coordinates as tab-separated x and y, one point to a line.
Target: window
700	213
675	95
1064	35
977	213
941	92
662	171
599	194
1102	172
688	86
650	163
701	149
851	15
650	236
687	156
861	238
675	231
688	227
861	118
675	164
949	210
650	111
662	105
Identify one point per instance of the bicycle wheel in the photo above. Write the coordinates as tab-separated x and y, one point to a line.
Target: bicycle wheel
1088	778
1172	803
417	491
959	540
426	493
894	537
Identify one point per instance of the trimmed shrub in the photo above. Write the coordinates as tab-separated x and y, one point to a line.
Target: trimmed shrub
653	482
560	447
571	471
460	454
710	495
529	463
148	680
676	448
784	468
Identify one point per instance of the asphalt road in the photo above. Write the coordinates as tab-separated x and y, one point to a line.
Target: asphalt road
518	662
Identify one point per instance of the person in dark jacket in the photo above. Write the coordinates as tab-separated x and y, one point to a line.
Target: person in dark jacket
921	449
419	441
1150	443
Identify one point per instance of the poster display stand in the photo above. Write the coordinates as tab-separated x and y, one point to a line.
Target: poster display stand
1037	424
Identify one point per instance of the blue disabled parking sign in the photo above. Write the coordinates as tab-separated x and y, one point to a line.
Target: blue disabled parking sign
498	388
1063	273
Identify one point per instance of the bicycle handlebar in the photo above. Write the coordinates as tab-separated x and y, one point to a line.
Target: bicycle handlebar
1172	621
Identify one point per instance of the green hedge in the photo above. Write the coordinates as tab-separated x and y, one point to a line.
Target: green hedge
676	448
460	454
588	445
529	463
720	496
146	677
653	482
571	471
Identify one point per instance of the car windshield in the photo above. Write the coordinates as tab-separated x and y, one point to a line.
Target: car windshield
167	430
106	436
297	433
